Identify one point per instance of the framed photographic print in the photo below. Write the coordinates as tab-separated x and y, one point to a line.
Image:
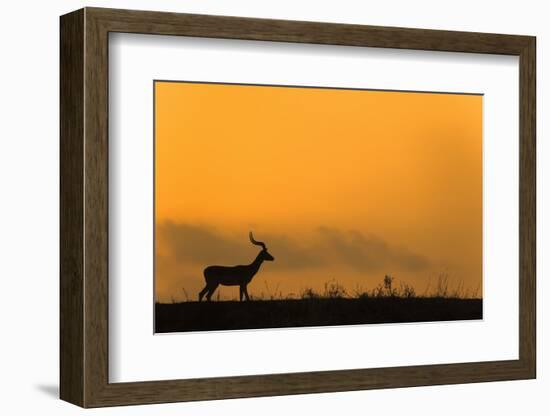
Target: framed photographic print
357	203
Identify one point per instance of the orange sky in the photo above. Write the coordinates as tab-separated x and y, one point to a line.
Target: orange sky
345	185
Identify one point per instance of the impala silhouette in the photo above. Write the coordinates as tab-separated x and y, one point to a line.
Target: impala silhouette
234	275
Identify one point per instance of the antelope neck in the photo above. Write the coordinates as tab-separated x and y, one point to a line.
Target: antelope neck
257	262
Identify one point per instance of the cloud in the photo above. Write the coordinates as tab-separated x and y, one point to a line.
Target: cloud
366	253
198	244
203	245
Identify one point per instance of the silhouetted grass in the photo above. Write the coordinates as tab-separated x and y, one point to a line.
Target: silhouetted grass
388	302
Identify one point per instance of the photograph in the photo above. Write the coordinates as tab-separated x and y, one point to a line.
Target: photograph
280	206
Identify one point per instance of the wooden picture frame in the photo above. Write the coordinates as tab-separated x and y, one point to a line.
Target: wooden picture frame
84	207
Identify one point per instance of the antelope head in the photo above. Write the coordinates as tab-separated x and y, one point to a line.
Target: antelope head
264	255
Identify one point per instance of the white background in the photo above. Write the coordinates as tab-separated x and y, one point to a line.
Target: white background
135	355
29	217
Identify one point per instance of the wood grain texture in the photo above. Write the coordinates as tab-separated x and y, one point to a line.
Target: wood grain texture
162	23
527	208
96	218
84	207
71	213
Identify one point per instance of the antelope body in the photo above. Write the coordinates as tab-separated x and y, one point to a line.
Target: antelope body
234	275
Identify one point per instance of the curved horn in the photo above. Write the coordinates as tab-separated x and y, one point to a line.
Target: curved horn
258	243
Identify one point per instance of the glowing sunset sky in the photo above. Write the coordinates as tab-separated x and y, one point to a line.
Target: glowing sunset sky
345	185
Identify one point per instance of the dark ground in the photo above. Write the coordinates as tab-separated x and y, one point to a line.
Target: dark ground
226	315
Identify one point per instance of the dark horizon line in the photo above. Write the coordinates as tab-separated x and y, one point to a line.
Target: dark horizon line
320	298
316	87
